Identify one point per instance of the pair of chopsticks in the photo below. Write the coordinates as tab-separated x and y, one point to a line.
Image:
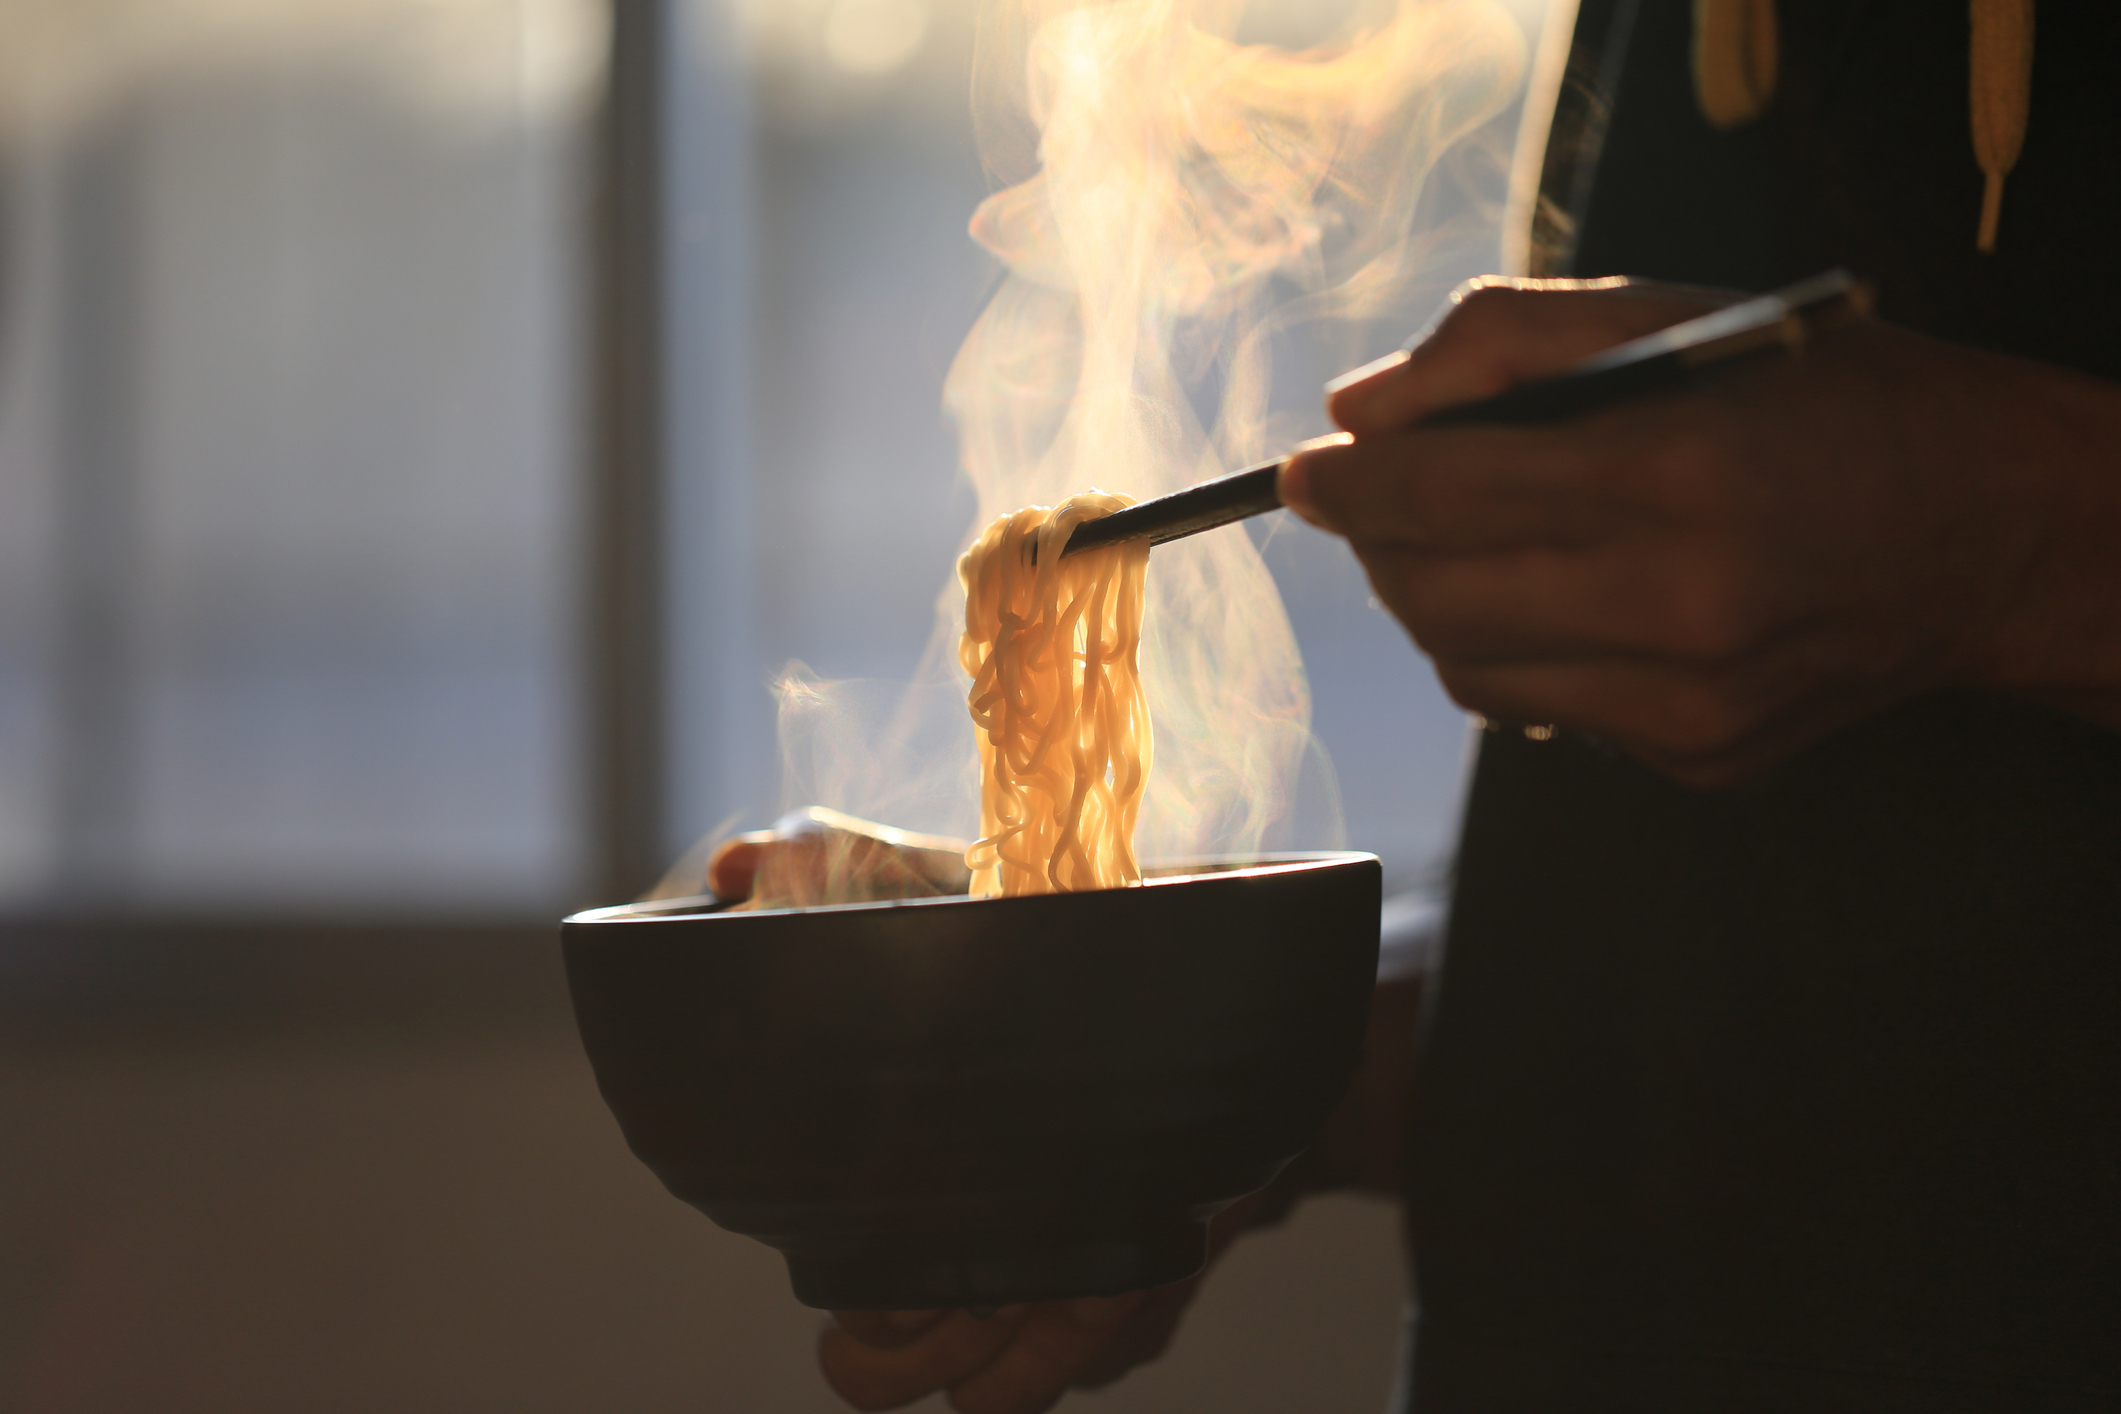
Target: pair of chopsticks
1666	359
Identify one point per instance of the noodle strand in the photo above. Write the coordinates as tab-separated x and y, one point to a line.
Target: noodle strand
1053	651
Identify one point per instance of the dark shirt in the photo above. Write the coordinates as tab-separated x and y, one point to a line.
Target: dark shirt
1804	1095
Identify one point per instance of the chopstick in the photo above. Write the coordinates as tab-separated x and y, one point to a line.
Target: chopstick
1783	319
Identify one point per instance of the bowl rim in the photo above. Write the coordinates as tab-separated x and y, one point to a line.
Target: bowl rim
1194	869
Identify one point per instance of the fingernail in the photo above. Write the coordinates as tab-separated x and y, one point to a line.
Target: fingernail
1371	369
1103	1310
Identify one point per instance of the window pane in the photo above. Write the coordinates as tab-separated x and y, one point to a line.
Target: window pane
290	428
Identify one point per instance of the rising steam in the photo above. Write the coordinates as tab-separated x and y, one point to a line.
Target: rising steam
1192	198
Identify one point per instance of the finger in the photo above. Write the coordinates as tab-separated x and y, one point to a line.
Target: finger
956	1347
1147	1334
1706	729
1703	729
1677	601
1499	333
1055	1343
1462	490
887	1330
1144	1337
734	866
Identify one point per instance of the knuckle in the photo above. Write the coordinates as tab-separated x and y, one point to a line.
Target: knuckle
1482	304
1478	287
1482	289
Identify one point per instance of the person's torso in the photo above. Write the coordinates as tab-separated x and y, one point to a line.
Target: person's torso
1802	1095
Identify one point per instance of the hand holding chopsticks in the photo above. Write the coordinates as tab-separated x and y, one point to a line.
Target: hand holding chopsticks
1779	321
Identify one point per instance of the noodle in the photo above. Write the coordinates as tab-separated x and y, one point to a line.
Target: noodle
1054	656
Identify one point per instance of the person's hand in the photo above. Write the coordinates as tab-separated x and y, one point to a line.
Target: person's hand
1025	1358
1711	579
817	855
1019	1360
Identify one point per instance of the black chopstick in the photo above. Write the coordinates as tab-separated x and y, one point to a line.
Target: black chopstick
1666	359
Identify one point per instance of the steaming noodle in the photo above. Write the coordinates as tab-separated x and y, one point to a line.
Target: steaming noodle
1054	656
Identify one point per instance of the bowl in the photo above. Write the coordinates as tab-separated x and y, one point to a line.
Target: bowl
957	1102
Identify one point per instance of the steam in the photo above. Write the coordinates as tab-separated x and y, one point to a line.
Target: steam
1193	198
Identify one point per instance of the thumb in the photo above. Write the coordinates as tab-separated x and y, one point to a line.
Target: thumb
1499	333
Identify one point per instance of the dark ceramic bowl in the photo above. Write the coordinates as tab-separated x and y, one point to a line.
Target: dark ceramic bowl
969	1102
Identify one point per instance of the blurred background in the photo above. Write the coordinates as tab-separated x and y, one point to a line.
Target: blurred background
426	426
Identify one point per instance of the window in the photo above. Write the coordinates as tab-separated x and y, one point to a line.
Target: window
291	426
